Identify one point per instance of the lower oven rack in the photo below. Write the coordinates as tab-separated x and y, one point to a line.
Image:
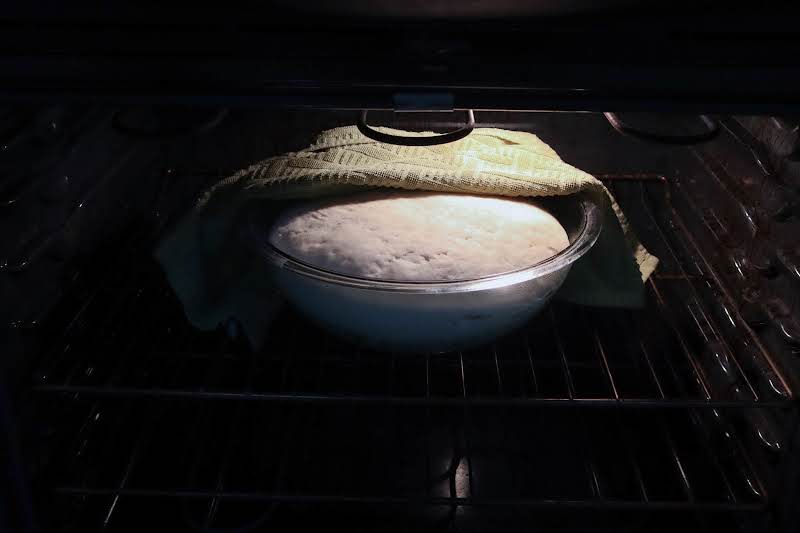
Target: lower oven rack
609	462
153	409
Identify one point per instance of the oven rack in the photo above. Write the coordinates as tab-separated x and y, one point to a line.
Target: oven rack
220	453
128	338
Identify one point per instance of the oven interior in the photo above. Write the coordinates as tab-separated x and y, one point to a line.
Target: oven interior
120	416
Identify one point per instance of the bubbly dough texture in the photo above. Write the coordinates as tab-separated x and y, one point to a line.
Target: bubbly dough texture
418	236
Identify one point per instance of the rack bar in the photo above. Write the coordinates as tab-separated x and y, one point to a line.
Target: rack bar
310	398
399	500
604	361
562	356
144	438
652	370
467	428
497	369
529	353
684	478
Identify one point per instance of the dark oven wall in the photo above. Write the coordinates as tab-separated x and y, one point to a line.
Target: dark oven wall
70	184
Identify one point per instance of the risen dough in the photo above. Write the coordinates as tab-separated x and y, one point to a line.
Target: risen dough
414	236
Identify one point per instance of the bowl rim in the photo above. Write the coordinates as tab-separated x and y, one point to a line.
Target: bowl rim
590	227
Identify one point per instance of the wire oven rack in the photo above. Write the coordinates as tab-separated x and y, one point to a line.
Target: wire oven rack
673	352
311	420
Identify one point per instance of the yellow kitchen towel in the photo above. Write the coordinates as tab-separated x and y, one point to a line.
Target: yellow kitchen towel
217	277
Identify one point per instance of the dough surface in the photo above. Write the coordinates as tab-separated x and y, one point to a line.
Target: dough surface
418	236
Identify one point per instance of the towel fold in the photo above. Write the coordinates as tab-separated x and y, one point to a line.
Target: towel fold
217	277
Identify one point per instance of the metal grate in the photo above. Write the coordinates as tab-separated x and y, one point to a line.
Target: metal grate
129	338
541	458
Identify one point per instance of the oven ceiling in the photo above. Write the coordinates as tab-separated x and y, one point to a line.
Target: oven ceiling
573	55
